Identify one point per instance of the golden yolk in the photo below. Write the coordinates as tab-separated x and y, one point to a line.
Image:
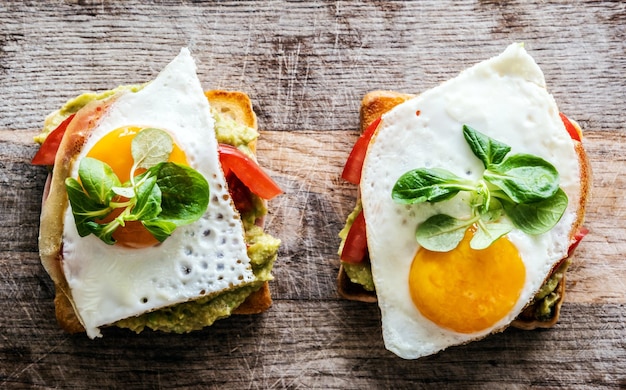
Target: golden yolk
115	150
467	290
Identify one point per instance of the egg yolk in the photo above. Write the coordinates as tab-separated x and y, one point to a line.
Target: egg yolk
467	290
114	149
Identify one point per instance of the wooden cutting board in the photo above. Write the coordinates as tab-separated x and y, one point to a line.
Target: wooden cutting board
306	66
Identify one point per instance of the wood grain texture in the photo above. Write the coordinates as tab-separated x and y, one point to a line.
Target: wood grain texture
306	66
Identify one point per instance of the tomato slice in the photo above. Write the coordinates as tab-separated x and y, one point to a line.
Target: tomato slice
48	150
571	129
354	165
582	232
241	195
355	247
248	171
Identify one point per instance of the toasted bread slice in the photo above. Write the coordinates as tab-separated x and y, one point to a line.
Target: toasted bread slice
236	105
376	103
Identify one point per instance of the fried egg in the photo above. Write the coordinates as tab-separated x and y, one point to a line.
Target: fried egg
432	300
112	282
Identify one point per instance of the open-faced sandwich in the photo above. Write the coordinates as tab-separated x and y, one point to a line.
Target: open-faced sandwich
471	201
153	211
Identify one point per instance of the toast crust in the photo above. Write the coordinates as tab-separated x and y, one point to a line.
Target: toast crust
353	291
235	104
376	103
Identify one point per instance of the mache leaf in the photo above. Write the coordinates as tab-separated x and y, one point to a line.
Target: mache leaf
487	233
538	217
126	192
487	149
159	228
428	185
97	179
524	178
441	232
148	200
184	192
84	208
103	231
150	147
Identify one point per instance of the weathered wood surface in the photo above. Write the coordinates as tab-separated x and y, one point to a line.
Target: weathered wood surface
306	66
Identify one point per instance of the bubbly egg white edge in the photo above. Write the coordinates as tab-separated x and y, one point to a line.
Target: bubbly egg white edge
109	283
504	97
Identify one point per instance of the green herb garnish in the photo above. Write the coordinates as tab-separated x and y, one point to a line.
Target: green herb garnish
523	187
165	196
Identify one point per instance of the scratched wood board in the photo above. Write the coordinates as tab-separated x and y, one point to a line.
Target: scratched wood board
306	66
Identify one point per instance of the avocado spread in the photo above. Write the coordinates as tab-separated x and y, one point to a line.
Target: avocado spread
543	303
548	295
262	247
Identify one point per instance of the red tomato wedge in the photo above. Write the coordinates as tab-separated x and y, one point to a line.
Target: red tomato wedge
582	232
354	165
355	247
48	150
569	126
240	194
248	171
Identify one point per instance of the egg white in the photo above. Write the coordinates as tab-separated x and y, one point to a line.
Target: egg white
504	97
109	283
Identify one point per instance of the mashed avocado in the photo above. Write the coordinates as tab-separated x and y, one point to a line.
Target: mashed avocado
544	301
262	247
228	131
193	315
548	295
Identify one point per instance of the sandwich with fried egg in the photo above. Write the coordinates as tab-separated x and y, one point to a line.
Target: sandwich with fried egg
471	202
153	212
